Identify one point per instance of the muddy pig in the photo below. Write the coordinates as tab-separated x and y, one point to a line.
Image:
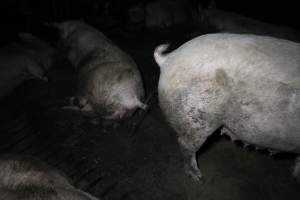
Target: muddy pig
109	82
28	178
20	62
248	85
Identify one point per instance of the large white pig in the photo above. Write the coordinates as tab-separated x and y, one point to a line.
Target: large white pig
109	82
247	84
28	178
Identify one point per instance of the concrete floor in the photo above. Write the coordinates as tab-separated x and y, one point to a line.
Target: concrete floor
128	162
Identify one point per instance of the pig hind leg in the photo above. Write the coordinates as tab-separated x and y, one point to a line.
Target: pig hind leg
191	142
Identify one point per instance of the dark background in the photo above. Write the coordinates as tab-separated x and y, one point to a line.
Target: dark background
140	158
20	15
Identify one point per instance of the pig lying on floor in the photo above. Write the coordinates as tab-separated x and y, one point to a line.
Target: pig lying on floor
109	82
28	178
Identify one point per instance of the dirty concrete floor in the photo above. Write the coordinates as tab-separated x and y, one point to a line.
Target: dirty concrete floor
134	161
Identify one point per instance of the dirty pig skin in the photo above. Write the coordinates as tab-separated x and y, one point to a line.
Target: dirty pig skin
248	85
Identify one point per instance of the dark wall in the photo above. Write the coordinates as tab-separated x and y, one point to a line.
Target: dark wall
280	12
25	15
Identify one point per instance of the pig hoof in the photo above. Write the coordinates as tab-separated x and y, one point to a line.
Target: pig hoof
144	106
196	176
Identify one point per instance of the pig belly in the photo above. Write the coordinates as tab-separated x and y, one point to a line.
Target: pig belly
255	134
271	121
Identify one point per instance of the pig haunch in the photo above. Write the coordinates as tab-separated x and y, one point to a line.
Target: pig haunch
109	82
249	85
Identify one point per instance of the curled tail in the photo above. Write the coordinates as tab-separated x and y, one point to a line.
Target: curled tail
159	57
